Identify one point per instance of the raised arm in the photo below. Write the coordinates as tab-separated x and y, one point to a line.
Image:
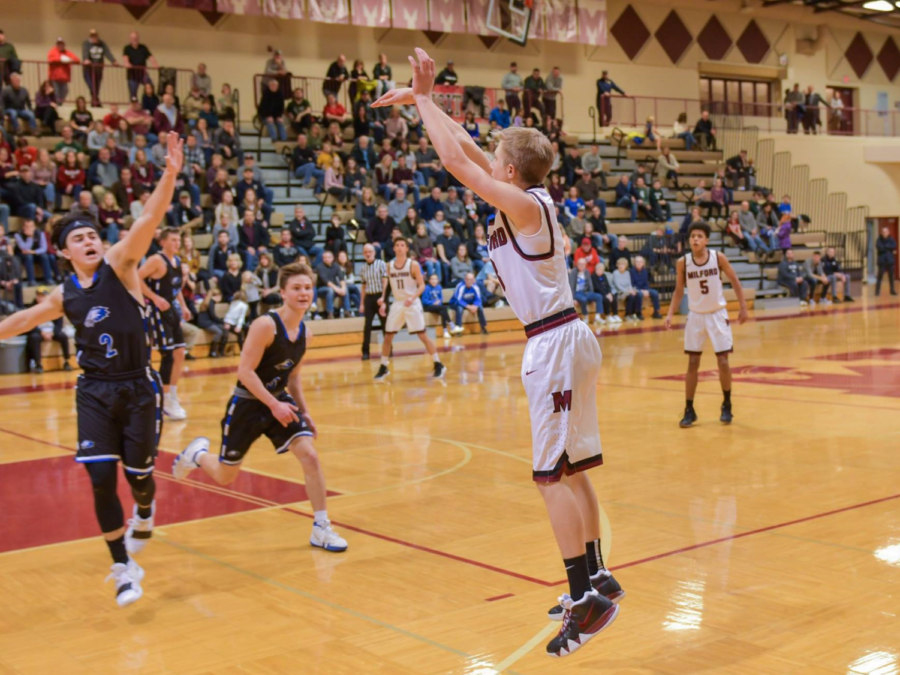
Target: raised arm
729	272
404	96
678	293
22	322
125	255
521	207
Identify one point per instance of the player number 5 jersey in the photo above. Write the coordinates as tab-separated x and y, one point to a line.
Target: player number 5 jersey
704	284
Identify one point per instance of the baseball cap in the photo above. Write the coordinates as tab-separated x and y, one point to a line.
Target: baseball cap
586	240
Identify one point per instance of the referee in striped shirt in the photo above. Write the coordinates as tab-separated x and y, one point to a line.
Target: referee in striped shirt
374	282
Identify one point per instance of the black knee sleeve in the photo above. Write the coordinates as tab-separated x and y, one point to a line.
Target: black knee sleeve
165	366
106	502
143	487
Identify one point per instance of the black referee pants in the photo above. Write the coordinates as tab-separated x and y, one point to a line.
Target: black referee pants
370	308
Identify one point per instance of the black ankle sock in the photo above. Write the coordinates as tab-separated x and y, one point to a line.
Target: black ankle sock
117	550
144	511
579	577
690	404
594	557
727	397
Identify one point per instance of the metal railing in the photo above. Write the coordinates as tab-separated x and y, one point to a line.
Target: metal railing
455	100
634	111
104	84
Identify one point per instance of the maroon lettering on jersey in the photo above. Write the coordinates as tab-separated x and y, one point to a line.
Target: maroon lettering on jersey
562	400
497	239
709	272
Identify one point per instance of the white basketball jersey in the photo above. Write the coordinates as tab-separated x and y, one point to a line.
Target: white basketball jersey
704	284
403	286
532	269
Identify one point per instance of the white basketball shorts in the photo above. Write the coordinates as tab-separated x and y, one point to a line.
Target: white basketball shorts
560	370
715	325
399	314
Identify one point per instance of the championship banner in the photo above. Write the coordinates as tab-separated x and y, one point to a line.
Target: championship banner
476	17
592	26
410	14
199	5
329	11
372	13
283	9
243	7
560	21
447	16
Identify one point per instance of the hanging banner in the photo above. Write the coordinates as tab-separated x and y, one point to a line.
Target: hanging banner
476	17
329	11
199	5
373	13
447	16
592	24
283	9
410	14
560	21
245	7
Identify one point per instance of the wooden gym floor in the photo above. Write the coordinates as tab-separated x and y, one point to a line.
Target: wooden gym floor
771	546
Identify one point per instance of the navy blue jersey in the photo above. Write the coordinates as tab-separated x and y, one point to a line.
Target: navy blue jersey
110	325
280	357
169	285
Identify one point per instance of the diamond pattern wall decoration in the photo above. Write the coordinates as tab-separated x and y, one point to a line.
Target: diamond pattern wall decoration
889	58
714	39
753	43
859	55
673	36
630	32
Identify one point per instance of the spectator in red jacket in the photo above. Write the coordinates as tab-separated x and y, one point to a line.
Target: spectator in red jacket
60	72
70	177
588	252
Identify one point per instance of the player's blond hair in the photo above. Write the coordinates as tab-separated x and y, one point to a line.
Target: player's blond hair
529	151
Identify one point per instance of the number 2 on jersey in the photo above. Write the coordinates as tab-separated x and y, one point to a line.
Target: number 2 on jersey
107	341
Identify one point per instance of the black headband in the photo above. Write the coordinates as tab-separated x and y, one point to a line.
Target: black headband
71	227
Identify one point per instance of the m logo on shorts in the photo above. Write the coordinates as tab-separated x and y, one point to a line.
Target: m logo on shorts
562	400
95	315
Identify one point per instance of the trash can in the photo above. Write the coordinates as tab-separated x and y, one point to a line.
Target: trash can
12	355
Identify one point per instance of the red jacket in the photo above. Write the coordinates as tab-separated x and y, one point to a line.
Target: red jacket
66	177
161	122
592	258
59	70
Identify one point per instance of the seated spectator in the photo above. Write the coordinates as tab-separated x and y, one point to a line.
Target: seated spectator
409	224
268	290
110	218
96	138
748	223
667	167
428	163
640	279
398	206
641	194
228	142
139	120
331	285
603	287
471	126
219	255
384	177
395	127
437	224
253	237
219	187
10	274
577	224
718	200
230	282
589	192
285	252
430	205
158	152
814	273
681	130
461	265
597	220
479	248
767	222
378	231
837	278
334	181
85	204
137	206
140	143
621	251
15	101
335	112
455	214
167	117
81	119
660	208
46	106
186	216
573	203
587	253
784	232
433	303
424	252
262	211
193	104
705	132
31	247
625	290
303	162
467	298
500	115
27	199
271	111
736	169
191	258
625	198
194	160
67	144
44	173
208	116
118	151
790	276
299	112
592	165
45	332
447	243
581	282
365	205
335	235
102	174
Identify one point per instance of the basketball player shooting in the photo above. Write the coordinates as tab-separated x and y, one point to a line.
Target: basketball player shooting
701	271
562	358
